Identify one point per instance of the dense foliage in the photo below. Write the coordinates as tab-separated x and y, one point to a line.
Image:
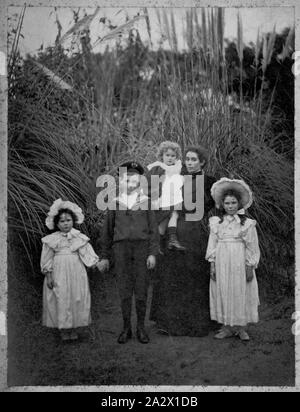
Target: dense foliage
122	103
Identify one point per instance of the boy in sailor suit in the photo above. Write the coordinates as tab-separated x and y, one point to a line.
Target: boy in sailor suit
131	233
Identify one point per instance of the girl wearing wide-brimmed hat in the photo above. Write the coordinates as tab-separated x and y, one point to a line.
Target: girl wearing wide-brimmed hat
65	254
234	254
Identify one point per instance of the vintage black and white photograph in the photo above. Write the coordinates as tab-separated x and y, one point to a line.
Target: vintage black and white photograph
151	236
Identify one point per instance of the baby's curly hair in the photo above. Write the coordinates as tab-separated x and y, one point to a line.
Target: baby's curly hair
165	146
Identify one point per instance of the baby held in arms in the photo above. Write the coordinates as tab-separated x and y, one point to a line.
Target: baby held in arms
167	196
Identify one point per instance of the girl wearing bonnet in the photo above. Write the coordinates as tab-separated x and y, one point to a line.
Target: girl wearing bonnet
233	252
65	254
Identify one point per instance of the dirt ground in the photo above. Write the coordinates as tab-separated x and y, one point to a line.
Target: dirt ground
37	357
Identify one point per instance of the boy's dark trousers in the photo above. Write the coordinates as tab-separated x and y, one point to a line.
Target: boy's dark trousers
133	278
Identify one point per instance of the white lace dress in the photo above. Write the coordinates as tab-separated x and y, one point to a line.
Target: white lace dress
171	194
66	255
233	301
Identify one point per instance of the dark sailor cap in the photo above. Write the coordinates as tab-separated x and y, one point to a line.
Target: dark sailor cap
132	167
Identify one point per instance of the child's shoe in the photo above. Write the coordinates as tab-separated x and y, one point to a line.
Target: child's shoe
243	335
65	335
224	334
73	335
142	336
174	244
125	336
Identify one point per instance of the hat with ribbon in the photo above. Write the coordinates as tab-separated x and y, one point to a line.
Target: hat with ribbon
58	205
239	186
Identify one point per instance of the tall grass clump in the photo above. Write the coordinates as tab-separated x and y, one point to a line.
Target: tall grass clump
124	101
238	133
44	162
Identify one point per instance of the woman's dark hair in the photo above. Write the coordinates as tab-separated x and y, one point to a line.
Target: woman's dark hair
61	212
232	193
201	152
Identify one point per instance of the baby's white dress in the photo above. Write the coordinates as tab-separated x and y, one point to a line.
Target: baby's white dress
233	300
171	194
66	255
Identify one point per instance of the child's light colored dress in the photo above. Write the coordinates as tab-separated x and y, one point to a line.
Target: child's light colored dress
66	255
233	301
171	192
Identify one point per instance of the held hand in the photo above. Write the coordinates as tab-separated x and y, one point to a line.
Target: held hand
249	273
213	271
103	265
50	280
151	262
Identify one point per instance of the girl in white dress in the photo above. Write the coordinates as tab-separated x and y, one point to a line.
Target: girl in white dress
66	252
234	254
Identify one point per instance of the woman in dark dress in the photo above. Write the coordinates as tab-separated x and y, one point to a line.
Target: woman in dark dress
180	304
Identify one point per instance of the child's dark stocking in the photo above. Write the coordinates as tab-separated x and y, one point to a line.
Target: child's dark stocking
141	309
126	312
162	228
162	244
173	240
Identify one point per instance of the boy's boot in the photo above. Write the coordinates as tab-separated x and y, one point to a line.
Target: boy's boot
173	243
141	308
126	311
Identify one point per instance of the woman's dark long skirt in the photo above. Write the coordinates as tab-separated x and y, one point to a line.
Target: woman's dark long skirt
180	304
